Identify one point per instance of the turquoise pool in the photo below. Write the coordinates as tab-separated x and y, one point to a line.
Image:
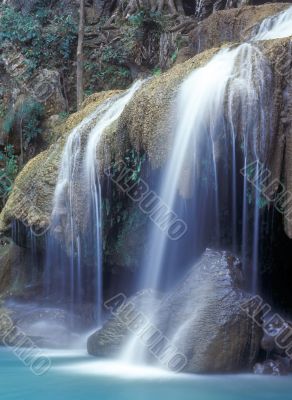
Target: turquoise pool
76	376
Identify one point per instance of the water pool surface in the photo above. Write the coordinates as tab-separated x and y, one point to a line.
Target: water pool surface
76	376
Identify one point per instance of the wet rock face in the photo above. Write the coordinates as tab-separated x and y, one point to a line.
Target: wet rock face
15	262
201	318
272	367
271	332
110	339
278	363
235	25
214	332
203	8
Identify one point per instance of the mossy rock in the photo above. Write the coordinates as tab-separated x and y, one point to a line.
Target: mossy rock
30	201
146	125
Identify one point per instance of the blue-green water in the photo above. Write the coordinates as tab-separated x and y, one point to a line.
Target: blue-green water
76	376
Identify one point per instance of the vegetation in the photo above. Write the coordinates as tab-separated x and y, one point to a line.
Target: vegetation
8	171
26	119
39	37
120	217
24	122
137	45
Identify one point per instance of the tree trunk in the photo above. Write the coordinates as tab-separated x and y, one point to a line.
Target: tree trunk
80	57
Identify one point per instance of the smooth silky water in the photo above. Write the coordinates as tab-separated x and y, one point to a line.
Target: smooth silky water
65	280
226	101
75	376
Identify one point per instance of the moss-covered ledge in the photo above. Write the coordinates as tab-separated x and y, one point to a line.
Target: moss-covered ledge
30	201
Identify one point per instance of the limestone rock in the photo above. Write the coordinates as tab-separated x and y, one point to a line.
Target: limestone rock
235	25
145	125
14	267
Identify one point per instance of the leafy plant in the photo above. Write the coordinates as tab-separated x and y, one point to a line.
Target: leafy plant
156	72
11	166
31	113
39	38
18	28
8	171
120	216
26	119
2	110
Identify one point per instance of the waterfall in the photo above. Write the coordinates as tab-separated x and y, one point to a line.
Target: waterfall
275	27
218	105
224	124
73	271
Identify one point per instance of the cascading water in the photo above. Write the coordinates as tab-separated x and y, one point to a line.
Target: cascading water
224	125
216	104
73	271
200	105
276	27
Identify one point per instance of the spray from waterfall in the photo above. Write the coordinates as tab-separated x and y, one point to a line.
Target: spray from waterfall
73	272
224	124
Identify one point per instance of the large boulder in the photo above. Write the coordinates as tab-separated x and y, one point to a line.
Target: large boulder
113	336
204	318
201	318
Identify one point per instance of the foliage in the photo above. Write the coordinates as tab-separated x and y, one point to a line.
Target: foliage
10	158
8	170
32	114
64	115
18	28
2	110
39	44
114	207
27	117
137	36
139	29
156	71
143	17
119	216
106	76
